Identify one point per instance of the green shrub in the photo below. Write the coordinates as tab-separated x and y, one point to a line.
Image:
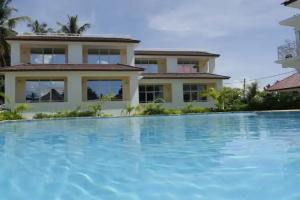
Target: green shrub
153	109
65	114
189	108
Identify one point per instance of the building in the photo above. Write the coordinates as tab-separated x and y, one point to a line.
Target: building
288	84
289	53
56	72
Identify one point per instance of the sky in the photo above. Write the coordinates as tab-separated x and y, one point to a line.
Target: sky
245	32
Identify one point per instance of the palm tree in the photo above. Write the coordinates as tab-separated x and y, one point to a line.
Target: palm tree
7	24
252	91
37	27
72	26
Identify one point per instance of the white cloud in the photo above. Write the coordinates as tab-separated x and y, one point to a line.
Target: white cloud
217	18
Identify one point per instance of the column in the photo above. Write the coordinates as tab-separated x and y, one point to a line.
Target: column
74	90
134	90
171	64
10	89
15	53
130	54
177	93
211	65
75	53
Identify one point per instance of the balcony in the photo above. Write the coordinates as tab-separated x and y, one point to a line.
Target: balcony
288	55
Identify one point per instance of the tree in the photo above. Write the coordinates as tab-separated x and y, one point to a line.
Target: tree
72	26
7	24
229	99
252	91
37	27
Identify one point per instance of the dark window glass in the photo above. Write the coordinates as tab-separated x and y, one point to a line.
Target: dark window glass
191	92
100	88
150	93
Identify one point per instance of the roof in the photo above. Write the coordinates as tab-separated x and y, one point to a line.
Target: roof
70	67
71	38
183	76
289	2
173	52
291	82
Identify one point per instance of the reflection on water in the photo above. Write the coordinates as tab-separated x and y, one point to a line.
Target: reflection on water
215	156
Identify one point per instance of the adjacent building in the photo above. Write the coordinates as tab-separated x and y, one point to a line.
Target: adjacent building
56	72
289	53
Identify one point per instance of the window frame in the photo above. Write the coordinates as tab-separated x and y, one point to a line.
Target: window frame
146	63
103	80
51	100
102	53
200	87
152	92
43	53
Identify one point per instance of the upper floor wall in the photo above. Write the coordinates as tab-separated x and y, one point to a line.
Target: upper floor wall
175	61
57	49
61	49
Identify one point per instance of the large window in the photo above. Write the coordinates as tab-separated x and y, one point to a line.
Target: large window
47	56
104	56
150	93
96	89
187	66
44	91
191	92
150	66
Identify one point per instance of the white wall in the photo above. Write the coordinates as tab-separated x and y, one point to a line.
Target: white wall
171	64
130	54
75	53
15	53
211	65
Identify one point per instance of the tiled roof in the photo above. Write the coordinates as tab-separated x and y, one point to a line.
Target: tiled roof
174	52
183	76
62	38
291	82
70	67
289	2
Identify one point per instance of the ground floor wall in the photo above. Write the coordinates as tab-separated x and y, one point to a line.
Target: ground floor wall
75	90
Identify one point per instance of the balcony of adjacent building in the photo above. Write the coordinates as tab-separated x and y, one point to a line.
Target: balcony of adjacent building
288	55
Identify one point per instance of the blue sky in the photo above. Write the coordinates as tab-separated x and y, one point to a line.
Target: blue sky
245	32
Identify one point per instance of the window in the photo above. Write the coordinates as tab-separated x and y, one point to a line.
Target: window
104	56
96	89
150	93
44	91
150	66
187	66
47	56
191	92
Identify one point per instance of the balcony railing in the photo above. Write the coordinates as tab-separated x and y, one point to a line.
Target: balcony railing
287	51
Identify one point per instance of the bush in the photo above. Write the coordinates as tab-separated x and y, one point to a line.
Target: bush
65	114
189	108
153	109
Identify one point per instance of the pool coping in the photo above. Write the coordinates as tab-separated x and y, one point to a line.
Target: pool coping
162	115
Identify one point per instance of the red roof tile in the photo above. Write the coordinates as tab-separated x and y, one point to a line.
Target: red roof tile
70	67
64	38
183	76
291	82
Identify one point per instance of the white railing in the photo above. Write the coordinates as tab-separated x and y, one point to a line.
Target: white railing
73	35
287	51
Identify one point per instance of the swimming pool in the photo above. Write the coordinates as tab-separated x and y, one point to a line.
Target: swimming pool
215	156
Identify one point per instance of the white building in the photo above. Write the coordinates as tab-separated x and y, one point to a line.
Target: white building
58	72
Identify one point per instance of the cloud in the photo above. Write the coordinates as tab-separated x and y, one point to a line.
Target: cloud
212	19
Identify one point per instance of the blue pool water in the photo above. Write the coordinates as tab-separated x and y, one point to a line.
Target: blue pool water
215	156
